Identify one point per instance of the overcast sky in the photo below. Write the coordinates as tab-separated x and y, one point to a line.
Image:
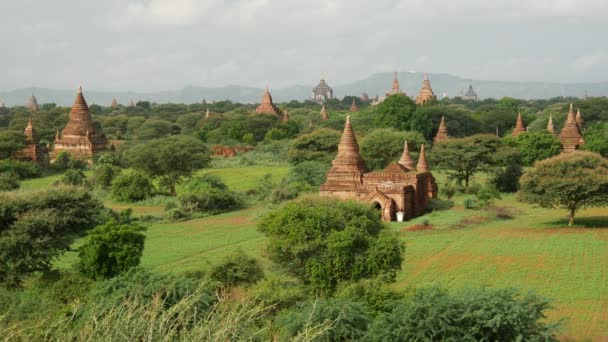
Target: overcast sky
151	45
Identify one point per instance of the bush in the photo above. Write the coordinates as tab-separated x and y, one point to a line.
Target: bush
177	214
132	187
507	179
538	145
9	181
64	161
111	249
320	145
312	173
474	315
22	169
376	293
73	177
104	174
325	242
449	190
236	269
207	194
487	194
343	320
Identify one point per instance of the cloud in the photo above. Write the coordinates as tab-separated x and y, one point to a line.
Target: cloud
159	14
591	61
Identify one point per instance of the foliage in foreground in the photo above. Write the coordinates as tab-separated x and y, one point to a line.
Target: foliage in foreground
571	181
325	242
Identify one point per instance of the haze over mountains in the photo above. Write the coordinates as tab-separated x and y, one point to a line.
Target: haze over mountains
373	85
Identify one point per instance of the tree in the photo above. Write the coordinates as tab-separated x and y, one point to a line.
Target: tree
169	159
320	145
111	249
9	181
156	128
464	157
537	145
472	315
426	120
73	177
207	194
236	269
10	142
325	242
385	145
571	181
596	139
132	187
395	111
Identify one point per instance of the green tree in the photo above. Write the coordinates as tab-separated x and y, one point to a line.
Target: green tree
382	146
325	242
73	177
596	139
320	145
464	157
111	249
395	111
156	128
9	181
236	269
104	174
472	315
132	187
10	142
537	145
169	159
571	181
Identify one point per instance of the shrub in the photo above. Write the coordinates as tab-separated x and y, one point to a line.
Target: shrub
132	187
207	194
449	190
236	269
310	172
73	177
177	214
22	169
325	242
344	320
64	161
111	249
376	293
473	315
104	174
320	145
507	179
9	181
537	145
487	194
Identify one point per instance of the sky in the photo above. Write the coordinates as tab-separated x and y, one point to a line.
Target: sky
154	45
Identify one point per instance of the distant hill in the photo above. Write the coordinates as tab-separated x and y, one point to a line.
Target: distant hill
375	84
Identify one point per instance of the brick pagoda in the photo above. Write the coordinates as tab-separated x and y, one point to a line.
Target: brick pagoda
550	127
80	138
324	115
267	106
398	188
426	94
442	132
32	151
570	136
519	127
353	107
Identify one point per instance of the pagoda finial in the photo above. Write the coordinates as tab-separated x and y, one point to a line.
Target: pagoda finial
579	119
285	116
426	76
79	89
550	126
423	164
406	159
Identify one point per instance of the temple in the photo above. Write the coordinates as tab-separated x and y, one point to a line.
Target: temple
80	138
131	103
324	115
285	118
322	92
442	132
395	89
32	151
32	104
267	106
519	127
114	103
426	94
400	191
570	136
550	127
470	94
353	107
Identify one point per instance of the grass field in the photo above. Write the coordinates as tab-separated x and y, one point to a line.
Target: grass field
532	250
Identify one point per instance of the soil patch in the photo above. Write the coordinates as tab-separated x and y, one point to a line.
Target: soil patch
418	227
469	221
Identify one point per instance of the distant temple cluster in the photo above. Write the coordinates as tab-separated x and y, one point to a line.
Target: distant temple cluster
401	191
322	92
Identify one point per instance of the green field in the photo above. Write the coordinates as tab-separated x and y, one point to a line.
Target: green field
530	250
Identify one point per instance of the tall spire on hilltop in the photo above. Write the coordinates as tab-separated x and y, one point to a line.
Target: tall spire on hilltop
570	136
519	126
423	164
550	127
324	115
353	106
442	133
32	104
395	86
285	118
579	119
406	159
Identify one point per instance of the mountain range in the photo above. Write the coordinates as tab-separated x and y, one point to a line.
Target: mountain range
377	84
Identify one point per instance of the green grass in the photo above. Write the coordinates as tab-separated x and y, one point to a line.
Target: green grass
534	250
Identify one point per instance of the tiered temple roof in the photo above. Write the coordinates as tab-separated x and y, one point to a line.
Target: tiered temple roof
470	94
406	159
395	89
267	106
80	137
570	136
324	115
550	127
353	106
423	164
322	92
32	104
426	94
442	133
519	126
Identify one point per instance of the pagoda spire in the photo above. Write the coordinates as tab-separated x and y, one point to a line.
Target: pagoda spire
285	117
570	136
114	103
406	159
550	127
423	164
207	114
30	133
395	87
324	115
519	126
442	133
353	106
579	119
348	150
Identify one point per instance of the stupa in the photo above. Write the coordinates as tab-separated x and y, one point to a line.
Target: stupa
550	127
442	132
80	138
324	115
579	119
519	127
353	107
285	117
267	106
32	104
426	94
399	191
395	89
32	151
570	136
114	103
207	114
